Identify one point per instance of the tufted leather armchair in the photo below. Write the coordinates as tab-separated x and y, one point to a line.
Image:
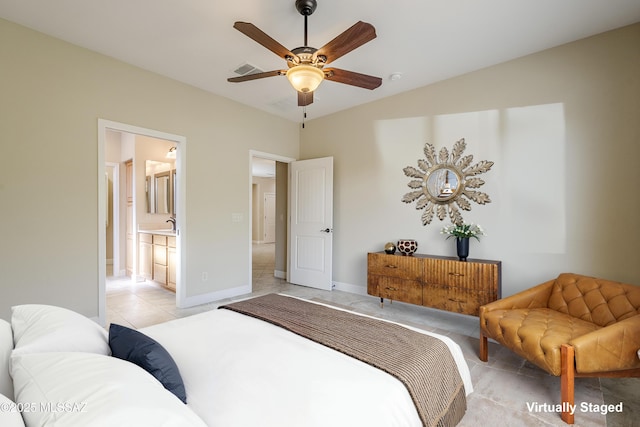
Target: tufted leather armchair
571	326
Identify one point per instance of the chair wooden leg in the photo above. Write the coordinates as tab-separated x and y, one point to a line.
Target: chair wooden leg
484	350
567	379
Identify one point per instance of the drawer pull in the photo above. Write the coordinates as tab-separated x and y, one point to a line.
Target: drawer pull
456	274
389	288
391	266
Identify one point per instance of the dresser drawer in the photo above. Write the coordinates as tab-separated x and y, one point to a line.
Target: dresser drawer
457	300
402	267
396	289
467	275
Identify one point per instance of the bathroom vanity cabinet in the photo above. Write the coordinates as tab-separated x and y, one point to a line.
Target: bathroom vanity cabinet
157	258
171	262
145	256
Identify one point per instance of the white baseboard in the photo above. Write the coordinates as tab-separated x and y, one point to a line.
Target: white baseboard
348	287
246	289
213	296
280	274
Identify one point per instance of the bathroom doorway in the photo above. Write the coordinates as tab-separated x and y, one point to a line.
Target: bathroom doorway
131	209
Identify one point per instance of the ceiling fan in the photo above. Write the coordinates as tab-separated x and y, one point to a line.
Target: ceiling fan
306	64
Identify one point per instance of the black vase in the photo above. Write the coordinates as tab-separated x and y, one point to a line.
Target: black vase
462	245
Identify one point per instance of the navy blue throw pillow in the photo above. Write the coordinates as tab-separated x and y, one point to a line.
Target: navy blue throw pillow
136	347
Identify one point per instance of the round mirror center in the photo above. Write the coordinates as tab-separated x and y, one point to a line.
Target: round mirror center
442	183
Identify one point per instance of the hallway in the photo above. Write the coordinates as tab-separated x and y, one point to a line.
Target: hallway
264	280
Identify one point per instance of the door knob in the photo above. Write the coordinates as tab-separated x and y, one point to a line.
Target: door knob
326	230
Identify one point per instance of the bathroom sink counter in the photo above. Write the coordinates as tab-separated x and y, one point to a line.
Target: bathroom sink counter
163	232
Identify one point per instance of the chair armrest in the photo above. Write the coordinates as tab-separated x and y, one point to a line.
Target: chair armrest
536	297
612	348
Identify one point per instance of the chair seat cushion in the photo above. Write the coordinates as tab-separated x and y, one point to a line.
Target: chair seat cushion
535	334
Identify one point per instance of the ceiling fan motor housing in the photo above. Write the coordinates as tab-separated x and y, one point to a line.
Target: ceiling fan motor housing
305	55
306	7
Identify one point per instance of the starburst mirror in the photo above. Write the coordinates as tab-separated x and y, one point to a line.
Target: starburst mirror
445	184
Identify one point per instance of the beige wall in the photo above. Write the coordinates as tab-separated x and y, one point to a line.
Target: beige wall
53	94
282	199
260	187
563	128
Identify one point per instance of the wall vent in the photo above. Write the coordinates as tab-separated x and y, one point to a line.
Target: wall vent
246	69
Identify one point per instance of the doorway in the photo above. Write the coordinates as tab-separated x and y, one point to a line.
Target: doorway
268	233
135	195
269	217
112	221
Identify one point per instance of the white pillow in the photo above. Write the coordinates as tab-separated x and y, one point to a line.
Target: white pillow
6	346
45	328
9	414
95	391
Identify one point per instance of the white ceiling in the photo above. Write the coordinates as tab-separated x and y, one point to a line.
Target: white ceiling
193	41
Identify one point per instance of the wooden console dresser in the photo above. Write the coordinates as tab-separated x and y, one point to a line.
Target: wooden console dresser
434	281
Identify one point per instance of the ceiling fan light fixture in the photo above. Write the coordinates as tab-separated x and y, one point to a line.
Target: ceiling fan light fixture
305	78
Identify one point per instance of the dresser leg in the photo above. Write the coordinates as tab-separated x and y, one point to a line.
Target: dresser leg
381	302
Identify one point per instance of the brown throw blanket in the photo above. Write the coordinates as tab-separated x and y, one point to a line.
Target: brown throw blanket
421	362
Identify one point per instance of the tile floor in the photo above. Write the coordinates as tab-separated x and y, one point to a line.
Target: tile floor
502	387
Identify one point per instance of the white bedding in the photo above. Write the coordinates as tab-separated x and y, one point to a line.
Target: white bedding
240	371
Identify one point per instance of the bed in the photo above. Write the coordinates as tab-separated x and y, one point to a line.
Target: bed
238	370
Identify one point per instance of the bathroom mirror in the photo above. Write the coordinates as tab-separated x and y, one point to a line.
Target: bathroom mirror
444	183
163	192
159	187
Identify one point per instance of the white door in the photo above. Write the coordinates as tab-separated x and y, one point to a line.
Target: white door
269	217
311	210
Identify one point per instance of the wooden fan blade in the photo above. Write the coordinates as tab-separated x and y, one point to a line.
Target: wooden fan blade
354	37
256	76
261	37
352	78
305	98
